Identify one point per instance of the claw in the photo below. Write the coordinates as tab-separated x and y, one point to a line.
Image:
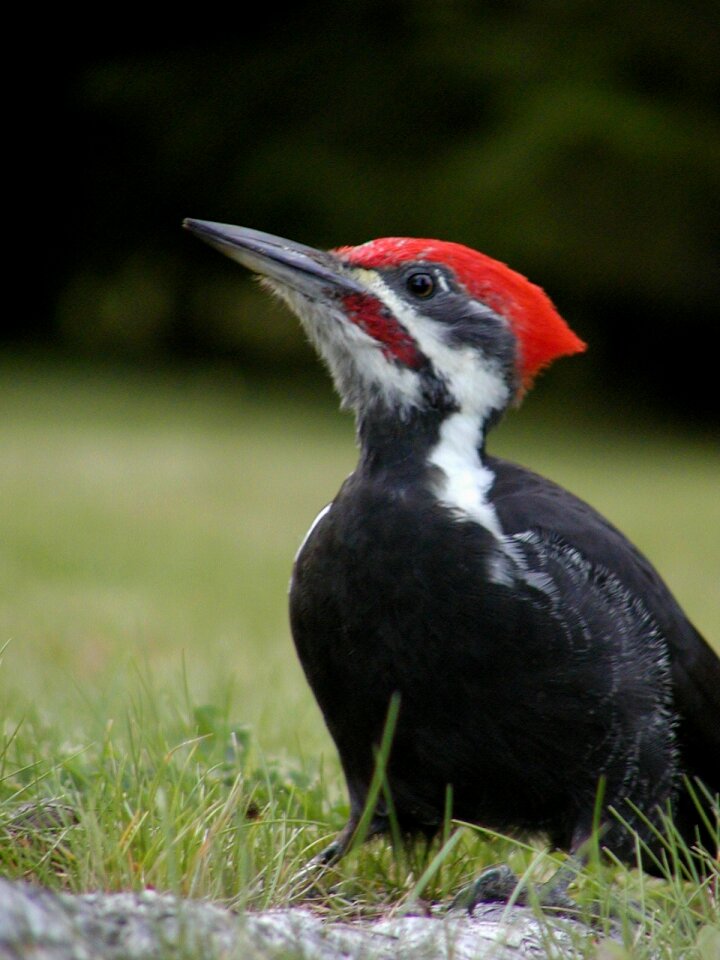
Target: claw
329	855
495	885
500	885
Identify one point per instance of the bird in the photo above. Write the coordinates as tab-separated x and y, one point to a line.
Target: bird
539	662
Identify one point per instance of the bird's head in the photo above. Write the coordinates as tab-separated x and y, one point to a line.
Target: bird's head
407	325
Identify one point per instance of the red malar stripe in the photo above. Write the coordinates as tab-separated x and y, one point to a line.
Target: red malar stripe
375	319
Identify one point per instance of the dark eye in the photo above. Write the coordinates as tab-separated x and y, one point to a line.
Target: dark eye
420	285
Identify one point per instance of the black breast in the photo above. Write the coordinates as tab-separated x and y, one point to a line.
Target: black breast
514	691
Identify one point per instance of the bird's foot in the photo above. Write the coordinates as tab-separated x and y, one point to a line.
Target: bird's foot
495	885
501	885
304	881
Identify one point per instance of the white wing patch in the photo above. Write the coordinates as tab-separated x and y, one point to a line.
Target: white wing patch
323	513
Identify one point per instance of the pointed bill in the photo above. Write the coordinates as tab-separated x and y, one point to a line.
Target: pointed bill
309	271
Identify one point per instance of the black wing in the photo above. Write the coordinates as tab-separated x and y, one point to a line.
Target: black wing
526	501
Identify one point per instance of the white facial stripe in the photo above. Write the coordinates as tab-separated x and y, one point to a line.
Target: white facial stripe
361	370
478	386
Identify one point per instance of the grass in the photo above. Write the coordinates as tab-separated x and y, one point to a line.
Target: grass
157	730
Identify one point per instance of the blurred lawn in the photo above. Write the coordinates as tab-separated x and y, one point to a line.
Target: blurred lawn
148	524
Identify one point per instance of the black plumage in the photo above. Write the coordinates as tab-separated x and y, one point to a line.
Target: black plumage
538	656
521	695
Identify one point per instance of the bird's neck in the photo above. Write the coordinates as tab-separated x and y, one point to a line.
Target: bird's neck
423	445
441	457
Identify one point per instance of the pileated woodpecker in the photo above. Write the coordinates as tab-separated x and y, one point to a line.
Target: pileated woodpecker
536	653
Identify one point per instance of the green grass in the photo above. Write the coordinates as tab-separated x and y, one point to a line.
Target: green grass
157	727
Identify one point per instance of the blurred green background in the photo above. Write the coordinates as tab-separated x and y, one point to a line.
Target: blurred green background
167	435
580	142
148	523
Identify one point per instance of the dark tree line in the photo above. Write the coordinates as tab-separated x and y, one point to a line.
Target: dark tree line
580	142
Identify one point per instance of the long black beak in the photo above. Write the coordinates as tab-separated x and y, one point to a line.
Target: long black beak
309	271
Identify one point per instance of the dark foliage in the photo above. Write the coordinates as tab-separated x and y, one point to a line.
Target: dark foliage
579	142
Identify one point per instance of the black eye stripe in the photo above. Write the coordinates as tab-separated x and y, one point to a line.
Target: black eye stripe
421	285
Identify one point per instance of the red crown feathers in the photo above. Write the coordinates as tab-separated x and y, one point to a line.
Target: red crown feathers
543	334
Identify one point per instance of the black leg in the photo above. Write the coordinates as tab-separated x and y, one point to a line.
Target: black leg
338	848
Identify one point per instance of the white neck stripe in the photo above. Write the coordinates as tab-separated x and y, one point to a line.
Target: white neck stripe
466	481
